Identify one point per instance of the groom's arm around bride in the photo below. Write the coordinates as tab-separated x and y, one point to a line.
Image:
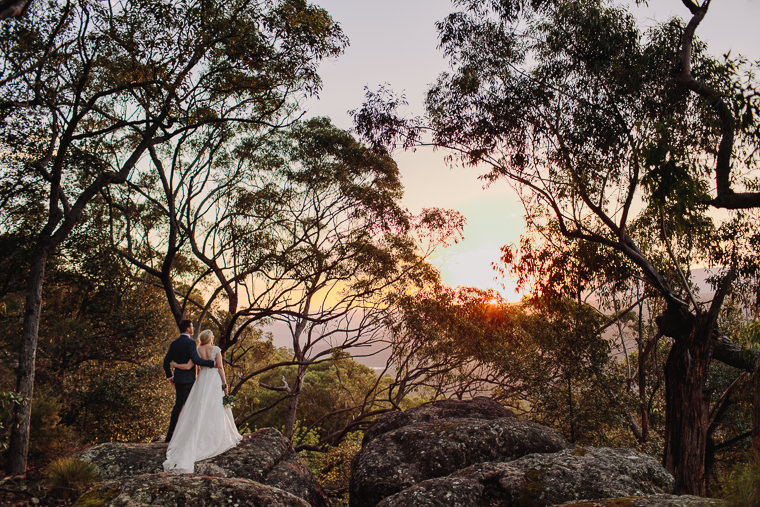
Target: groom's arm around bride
181	351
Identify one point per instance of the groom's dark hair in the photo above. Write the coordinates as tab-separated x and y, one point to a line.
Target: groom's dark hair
184	325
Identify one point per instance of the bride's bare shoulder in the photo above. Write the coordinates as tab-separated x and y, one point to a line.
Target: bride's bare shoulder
205	351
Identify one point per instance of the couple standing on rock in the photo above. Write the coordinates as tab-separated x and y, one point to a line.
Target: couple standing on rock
201	426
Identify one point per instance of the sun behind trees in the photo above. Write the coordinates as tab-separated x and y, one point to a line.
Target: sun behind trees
613	136
156	166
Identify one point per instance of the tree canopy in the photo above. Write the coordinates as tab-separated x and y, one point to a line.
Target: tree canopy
613	136
89	88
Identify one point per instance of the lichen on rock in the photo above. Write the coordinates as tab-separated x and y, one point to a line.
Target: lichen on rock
545	479
168	489
660	500
438	439
265	457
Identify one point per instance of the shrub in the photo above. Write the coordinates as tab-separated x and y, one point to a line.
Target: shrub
8	401
743	487
333	467
71	474
50	437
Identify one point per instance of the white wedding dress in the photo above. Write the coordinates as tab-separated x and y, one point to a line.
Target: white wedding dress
205	427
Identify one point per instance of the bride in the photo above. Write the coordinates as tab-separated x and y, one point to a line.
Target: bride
205	427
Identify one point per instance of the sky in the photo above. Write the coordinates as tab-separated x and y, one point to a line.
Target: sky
394	42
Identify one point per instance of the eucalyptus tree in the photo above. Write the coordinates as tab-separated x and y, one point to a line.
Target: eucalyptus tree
544	357
357	249
613	134
550	267
89	88
299	228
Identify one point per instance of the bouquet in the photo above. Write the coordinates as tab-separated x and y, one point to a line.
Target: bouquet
229	400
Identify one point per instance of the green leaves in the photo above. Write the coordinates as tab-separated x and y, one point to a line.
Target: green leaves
543	356
673	184
579	108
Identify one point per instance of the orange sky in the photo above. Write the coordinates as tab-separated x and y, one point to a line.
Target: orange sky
394	42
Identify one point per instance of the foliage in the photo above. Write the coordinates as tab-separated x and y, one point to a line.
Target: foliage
743	487
7	400
224	200
52	437
332	395
242	218
297	212
334	392
332	468
543	357
97	349
140	392
613	136
300	228
72	474
253	353
88	89
750	334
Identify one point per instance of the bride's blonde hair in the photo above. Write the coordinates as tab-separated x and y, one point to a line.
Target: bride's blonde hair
206	336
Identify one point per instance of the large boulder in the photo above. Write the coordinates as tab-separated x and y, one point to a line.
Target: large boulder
478	408
167	489
264	456
544	479
439	439
661	500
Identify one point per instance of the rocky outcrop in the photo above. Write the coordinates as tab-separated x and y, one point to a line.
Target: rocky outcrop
477	453
196	490
477	408
115	459
265	457
451	453
439	439
661	500
544	479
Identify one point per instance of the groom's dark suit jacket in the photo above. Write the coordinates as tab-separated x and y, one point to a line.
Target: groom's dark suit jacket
181	351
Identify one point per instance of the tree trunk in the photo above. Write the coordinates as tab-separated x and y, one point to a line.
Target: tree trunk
571	413
19	437
13	8
756	412
687	409
642	378
295	392
643	405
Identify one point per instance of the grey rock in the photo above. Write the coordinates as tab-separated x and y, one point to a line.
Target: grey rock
264	456
661	500
544	479
168	489
395	459
477	408
115	459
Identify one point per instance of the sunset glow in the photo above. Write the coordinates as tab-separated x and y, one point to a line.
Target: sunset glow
408	61
471	268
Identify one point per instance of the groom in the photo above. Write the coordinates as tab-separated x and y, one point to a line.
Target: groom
181	351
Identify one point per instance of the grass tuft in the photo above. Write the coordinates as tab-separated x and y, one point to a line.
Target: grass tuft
71	474
743	487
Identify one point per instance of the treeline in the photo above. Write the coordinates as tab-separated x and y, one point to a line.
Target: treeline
551	358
